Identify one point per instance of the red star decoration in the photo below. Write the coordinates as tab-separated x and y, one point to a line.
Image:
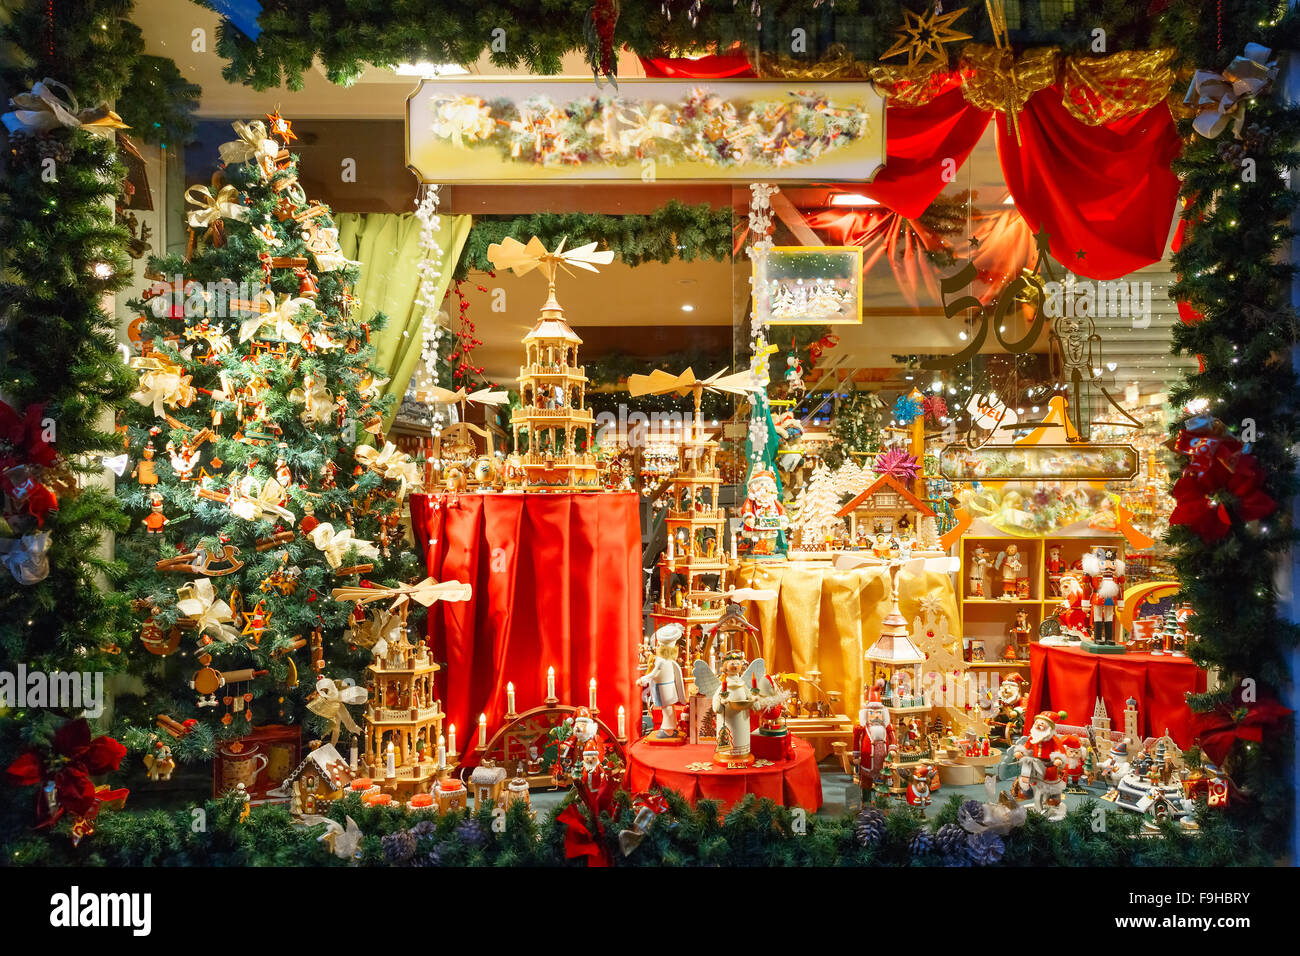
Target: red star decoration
280	126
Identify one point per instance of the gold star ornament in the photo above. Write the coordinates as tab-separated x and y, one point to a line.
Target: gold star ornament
923	35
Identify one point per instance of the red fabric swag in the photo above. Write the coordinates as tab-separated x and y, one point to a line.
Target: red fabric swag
1107	191
712	67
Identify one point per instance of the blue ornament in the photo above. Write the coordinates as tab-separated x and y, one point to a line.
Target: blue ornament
906	410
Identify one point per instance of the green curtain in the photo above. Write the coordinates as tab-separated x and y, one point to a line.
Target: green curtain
388	247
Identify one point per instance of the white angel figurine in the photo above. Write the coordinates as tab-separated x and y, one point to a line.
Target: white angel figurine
737	690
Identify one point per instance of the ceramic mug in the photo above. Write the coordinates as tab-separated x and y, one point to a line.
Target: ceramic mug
241	766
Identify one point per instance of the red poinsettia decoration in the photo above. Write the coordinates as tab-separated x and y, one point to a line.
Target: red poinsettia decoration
935	408
1218	729
1221	482
73	758
897	464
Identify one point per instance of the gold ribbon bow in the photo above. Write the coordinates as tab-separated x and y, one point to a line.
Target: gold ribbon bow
331	703
255	499
1221	98
1000	82
253	145
336	544
316	399
40	110
392	464
280	319
199	602
212	209
162	382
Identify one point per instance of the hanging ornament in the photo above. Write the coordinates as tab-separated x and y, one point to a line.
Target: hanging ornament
598	29
923	37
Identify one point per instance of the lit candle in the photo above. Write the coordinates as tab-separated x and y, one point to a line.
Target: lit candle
482	731
591	694
352	756
550	683
451	738
390	762
510	697
671	554
622	721
442	752
734	538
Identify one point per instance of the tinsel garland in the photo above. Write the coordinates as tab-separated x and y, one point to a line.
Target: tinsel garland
429	269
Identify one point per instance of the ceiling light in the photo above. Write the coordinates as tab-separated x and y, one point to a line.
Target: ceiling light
852	199
424	68
688	308
1009	201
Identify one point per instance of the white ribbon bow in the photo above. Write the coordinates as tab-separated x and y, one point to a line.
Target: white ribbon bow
330	703
337	544
254	499
27	558
280	320
253	145
1220	98
40	110
391	464
317	400
161	383
199	602
212	208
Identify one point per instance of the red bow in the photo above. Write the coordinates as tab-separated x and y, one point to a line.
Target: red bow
584	834
1217	467
22	440
1218	729
656	803
816	349
72	760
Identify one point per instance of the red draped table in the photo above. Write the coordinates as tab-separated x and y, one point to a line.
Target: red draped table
1071	679
557	583
793	783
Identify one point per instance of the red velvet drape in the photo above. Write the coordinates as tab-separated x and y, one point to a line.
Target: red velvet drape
1070	679
1106	194
557	583
712	67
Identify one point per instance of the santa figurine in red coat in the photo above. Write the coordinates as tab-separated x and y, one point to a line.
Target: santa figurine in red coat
1040	757
1072	616
1107	574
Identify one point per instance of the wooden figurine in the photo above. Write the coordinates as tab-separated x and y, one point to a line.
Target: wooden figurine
159	764
144	471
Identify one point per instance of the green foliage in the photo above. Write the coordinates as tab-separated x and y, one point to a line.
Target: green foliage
158	103
326	480
855	426
674	231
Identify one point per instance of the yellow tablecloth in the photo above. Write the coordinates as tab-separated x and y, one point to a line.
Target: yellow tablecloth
826	619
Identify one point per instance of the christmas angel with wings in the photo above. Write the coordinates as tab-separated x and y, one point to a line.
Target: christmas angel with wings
738	692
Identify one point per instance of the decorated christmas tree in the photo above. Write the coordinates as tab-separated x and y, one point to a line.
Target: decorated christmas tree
256	485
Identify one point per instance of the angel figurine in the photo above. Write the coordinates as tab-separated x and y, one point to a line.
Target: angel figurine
737	690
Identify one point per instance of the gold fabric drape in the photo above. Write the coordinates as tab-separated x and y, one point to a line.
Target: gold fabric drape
388	247
824	619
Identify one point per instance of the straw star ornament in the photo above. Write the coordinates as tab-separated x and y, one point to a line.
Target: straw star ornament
923	35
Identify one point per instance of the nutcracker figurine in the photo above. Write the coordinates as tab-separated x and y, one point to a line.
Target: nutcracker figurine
1055	567
1107	574
979	566
873	738
664	680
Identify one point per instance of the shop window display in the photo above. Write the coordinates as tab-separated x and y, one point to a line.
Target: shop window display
875	449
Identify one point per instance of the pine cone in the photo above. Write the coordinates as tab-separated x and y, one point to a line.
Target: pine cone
922	844
870	826
398	847
423	829
986	848
432	858
471	834
950	840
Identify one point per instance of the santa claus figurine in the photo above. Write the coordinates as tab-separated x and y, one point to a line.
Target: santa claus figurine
763	516
592	773
1107	574
1040	758
664	679
873	738
572	748
1074	766
1071	615
1007	724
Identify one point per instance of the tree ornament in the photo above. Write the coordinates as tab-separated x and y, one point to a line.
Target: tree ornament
923	37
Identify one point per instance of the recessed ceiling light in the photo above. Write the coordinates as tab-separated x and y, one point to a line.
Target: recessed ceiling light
852	199
688	308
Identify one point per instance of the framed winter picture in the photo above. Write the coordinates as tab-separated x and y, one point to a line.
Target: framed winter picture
811	285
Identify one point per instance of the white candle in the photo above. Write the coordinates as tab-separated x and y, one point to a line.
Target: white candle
451	738
622	721
671	555
550	682
482	731
442	752
390	762
510	697
734	538
591	694
352	756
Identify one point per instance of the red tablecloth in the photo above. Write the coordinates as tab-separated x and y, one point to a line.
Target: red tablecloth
1071	679
794	783
557	583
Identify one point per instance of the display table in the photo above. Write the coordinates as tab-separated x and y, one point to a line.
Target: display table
1071	679
793	783
557	583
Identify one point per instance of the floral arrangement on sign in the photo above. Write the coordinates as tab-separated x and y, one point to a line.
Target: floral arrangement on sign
706	128
1045	508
